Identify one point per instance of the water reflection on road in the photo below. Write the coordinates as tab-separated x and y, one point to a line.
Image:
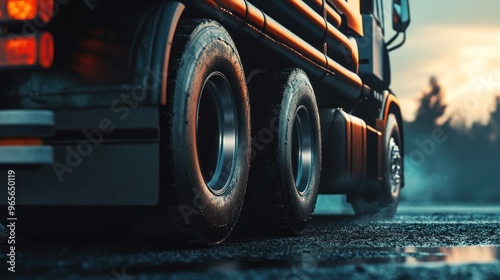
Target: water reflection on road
454	255
312	260
408	255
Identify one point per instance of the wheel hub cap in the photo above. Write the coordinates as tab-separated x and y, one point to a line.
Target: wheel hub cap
217	132
395	165
302	149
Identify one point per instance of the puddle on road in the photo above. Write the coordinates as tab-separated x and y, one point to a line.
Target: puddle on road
408	255
454	255
310	260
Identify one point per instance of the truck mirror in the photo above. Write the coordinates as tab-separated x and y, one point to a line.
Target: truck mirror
400	15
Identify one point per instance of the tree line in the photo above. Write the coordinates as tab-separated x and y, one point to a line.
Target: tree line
450	163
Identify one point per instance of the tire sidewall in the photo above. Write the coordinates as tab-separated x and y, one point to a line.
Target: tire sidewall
210	49
298	92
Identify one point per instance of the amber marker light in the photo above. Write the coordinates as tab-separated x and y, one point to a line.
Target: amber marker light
21	142
20	10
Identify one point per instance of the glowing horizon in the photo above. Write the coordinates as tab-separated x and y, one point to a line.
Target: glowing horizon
464	56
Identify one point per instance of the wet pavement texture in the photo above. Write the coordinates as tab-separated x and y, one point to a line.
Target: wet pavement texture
438	244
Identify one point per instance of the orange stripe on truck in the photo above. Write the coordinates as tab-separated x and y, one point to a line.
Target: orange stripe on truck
21	142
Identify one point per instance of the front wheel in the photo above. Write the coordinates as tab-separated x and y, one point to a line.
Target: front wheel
382	198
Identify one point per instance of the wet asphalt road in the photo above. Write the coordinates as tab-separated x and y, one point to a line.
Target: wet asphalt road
420	243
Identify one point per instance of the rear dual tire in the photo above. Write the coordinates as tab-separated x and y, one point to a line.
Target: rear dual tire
206	133
285	172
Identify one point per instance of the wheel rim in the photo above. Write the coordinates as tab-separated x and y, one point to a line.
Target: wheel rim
302	149
395	165
217	132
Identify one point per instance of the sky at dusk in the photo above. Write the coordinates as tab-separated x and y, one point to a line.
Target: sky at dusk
457	41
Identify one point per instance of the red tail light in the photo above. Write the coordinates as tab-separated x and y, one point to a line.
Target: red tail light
31	50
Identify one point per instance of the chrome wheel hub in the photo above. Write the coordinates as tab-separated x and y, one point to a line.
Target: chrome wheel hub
395	165
217	132
302	149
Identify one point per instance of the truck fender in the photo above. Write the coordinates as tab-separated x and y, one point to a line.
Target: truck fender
170	16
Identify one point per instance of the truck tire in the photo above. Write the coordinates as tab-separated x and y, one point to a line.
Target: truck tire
381	199
285	173
206	132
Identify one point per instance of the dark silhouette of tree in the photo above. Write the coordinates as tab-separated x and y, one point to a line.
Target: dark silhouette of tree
463	169
495	123
432	105
423	165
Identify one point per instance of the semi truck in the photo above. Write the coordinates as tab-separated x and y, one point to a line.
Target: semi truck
176	115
